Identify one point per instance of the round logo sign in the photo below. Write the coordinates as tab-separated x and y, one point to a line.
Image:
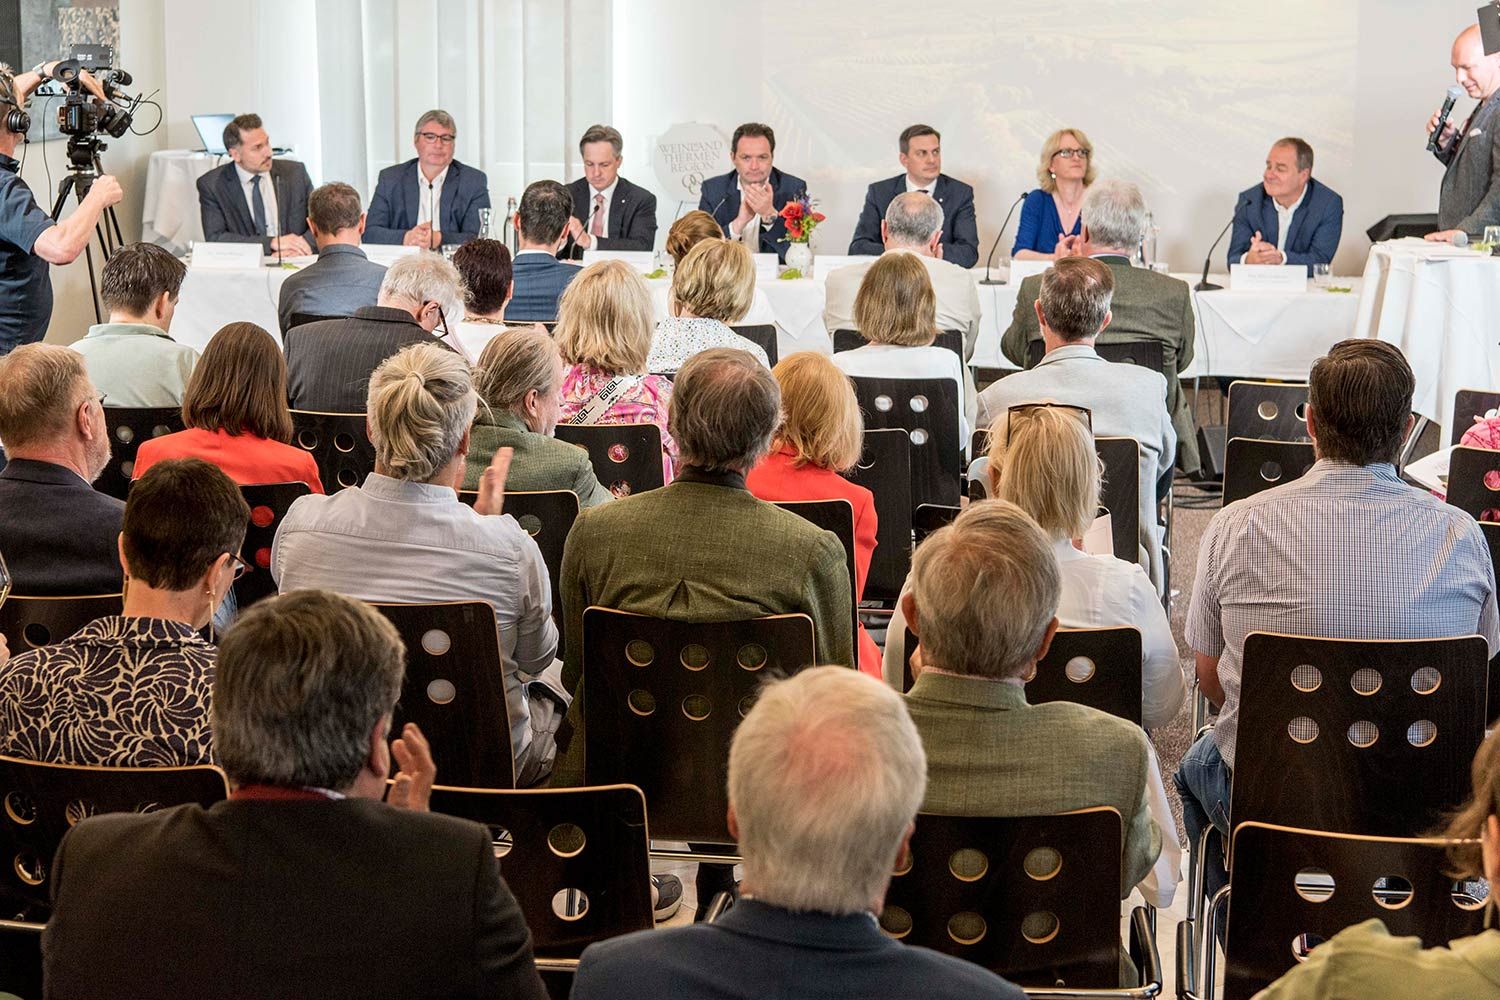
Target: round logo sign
687	153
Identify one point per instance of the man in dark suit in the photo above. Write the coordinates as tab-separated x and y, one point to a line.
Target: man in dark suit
749	198
922	156
329	363
342	279
254	199
304	883
58	535
538	277
609	212
1288	218
1469	199
431	199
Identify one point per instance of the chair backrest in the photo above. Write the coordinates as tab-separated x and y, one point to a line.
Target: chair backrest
1474	482
268	505
1292	889
302	319
1147	354
836	516
1097	667
664	699
929	517
1271	411
29	622
762	335
1492	539
884	468
1252	465
849	340
455	689
127	427
588	842
1469	404
626	457
927	410
41	802
1120	493
21	959
1357	736
339	443
1034	898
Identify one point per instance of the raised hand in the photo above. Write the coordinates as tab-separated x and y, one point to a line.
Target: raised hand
412	786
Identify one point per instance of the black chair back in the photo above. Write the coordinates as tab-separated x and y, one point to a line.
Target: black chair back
43	801
763	335
1033	898
1147	354
1270	411
302	319
1120	495
30	622
849	340
339	443
455	689
1470	404
1492	539
1252	465
885	470
268	505
927	410
127	427
1292	889
836	516
21	959
929	517
1474	482
1097	667
664	699
626	457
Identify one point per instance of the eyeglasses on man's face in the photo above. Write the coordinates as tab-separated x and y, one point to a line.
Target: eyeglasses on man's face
441	137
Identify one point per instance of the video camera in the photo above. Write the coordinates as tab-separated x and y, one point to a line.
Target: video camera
89	110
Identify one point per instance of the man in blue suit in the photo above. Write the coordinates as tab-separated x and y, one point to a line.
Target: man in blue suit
538	277
1288	218
609	212
753	193
922	156
432	199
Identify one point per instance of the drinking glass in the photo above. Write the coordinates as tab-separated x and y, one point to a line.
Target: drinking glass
1320	275
1492	237
1159	266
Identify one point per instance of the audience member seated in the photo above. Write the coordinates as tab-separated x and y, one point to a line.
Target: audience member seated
1146	305
896	310
821	435
711	288
519	380
329	363
132	690
686	233
1050	216
605	337
1073	305
236	415
302	884
131	359
432	199
1348	551
252	199
825	776
342	279
983	604
1365	961
404	537
485	266
540	278
58	535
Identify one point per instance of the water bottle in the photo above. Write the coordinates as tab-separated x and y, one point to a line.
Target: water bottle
1149	240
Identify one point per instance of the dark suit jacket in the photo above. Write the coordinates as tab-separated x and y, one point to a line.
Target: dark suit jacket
340	281
226	214
329	364
632	218
757	950
260	898
1316	225
960	232
1469	198
538	282
397	199
721	199
59	535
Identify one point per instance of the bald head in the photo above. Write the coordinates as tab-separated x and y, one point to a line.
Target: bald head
725	407
912	221
1476	72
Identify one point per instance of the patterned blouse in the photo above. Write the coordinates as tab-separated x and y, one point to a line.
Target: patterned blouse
644	403
119	692
679	338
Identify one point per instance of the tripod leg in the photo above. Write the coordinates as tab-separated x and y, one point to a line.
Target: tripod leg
64	187
93	284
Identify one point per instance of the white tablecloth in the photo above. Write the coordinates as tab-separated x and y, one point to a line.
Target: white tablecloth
170	215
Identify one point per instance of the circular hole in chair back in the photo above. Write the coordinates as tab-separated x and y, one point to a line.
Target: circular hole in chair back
1270	471
918	403
883	403
1470	894
918	436
531	524
751	656
967	927
620	488
78	810
440	691
1267	410
124	434
1306	678
1425	680
501	839
1302	729
36	634
160	430
967	864
696	707
308	440
1304	943
1314	885
347	477
618	453
344	441
639	653
745	705
1392	891
1301	412
694	656
1492	481
436	642
261	516
1039	926
566	840
641	702
1363	733
1042	863
1421	733
20	808
1080	670
1365	681
29	868
895	921
127	469
570	904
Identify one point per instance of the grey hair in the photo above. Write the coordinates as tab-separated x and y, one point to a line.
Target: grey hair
911	219
602	133
425	276
44	385
421	402
438	115
300	683
514	363
724	411
826	774
1114	212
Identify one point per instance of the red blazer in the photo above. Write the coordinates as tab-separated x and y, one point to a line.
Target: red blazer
246	459
778	478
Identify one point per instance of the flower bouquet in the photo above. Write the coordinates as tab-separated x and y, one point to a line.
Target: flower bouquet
801	219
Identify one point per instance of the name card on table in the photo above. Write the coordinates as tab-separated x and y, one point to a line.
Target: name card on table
767	266
386	254
1267	278
227	255
825	263
1020	270
643	261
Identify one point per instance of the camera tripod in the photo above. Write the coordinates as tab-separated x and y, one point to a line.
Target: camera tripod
83	168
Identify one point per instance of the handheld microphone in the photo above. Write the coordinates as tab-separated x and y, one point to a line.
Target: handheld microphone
1204	285
995	245
1454	93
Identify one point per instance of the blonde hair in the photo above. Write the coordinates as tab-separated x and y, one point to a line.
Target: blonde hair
513	364
820	418
605	319
1048	468
895	303
421	402
1468	821
716	280
690	230
1049	150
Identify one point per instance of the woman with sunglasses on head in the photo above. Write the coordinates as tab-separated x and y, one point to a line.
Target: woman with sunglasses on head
1052	216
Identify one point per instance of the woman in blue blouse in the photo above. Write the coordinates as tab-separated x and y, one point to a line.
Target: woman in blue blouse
1050	215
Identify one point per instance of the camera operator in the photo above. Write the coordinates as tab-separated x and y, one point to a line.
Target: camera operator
30	240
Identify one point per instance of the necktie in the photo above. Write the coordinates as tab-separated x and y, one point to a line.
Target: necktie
596	225
257	206
924	191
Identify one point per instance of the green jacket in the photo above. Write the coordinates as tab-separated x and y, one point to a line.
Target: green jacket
1145	306
540	462
989	753
1364	962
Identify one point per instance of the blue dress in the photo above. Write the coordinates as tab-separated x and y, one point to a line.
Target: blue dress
1040	224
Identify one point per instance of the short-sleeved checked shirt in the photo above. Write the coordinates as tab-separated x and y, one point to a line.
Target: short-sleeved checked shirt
1345	552
25	284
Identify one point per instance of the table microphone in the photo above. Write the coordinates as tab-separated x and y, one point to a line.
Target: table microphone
276	184
431	214
1204	285
1454	93
995	245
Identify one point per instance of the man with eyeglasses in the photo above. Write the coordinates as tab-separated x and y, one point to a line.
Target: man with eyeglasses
1288	218
431	200
922	157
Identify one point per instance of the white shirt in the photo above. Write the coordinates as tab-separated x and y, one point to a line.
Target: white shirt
267	195
430	201
1283	223
929	189
894	361
735	234
588	214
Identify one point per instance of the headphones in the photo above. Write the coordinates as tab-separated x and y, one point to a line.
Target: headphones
16	120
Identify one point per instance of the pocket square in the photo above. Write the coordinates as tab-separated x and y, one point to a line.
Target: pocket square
1477	131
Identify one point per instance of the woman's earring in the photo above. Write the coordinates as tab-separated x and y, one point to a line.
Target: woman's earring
1052	174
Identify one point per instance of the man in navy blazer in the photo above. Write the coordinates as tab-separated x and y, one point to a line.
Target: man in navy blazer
609	212
922	156
254	199
753	193
1288	218
538	278
826	773
432	199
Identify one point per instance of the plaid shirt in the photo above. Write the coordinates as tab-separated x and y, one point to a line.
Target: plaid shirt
1345	552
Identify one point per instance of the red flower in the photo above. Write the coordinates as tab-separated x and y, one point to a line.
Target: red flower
794	230
792	210
818	216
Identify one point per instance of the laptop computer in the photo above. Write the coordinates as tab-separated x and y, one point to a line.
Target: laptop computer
211	132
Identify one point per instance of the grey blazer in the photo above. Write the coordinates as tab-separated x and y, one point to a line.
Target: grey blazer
1469	198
